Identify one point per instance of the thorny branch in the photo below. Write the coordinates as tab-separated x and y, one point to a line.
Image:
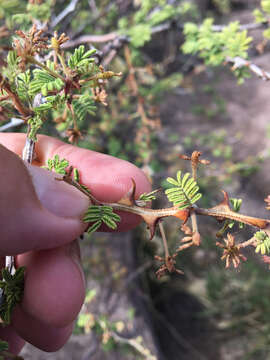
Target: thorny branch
153	217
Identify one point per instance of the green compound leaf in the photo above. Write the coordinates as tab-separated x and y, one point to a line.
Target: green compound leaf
83	106
184	192
101	214
12	58
44	82
57	165
215	46
94	227
236	205
3	346
139	34
12	287
23	82
80	57
145	197
259	16
266	6
35	124
263	242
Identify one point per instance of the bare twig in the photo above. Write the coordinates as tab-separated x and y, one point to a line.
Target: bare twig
84	39
135	343
156	29
93	7
69	9
13	123
239	62
248	27
164	240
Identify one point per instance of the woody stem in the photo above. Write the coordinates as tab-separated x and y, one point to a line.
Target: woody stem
164	240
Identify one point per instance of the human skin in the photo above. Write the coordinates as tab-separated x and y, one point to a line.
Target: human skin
39	220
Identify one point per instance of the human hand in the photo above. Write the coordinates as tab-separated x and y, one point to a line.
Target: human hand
39	219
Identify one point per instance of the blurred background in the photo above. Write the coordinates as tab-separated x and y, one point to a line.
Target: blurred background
167	103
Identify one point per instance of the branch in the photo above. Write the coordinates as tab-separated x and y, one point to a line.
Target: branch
239	62
222	211
248	27
135	343
84	39
13	123
69	9
156	29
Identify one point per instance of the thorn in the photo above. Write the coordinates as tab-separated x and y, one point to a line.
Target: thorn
129	197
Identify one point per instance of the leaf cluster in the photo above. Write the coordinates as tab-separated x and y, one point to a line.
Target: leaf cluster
214	47
148	196
262	16
184	192
83	106
12	291
57	165
150	14
44	82
263	242
81	58
100	215
52	88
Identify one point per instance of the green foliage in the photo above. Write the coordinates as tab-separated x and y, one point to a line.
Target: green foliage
263	242
12	286
148	196
184	192
166	13
81	58
84	321
158	88
41	12
139	34
114	146
57	165
259	16
236	297
23	81
83	106
215	47
35	124
228	224
8	7
76	177
11	70
265	4
150	14
44	82
3	346
101	214
236	205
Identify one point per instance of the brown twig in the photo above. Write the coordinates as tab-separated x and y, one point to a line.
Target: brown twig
25	112
84	39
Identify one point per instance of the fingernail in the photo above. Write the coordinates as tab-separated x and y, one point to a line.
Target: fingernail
58	197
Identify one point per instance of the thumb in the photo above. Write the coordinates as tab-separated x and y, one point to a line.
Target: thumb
36	211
